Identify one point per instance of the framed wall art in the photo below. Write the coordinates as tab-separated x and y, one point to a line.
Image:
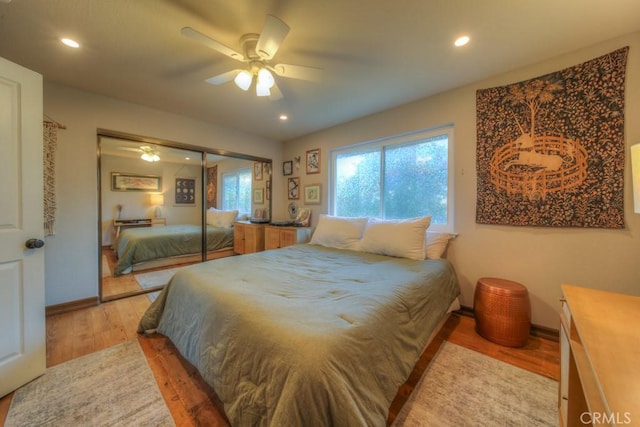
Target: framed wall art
132	182
312	194
293	188
287	168
258	196
257	171
313	161
185	192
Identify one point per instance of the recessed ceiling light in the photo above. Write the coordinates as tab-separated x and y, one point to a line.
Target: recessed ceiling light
461	41
284	117
71	43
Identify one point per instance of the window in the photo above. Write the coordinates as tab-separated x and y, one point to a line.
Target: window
236	190
401	177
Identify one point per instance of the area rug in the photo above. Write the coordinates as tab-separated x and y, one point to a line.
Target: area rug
461	387
155	278
112	387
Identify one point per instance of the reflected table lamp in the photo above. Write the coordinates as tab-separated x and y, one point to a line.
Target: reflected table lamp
157	200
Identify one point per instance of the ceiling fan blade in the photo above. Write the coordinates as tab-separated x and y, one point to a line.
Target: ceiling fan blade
273	33
223	78
298	72
275	93
213	44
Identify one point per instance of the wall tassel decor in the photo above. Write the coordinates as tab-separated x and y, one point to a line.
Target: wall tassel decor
50	143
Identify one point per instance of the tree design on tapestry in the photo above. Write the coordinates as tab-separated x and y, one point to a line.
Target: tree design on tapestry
550	150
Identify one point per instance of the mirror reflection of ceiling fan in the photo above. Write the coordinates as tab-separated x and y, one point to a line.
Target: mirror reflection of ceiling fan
148	153
257	52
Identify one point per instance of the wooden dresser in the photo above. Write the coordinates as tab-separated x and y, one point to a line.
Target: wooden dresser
278	237
248	237
599	358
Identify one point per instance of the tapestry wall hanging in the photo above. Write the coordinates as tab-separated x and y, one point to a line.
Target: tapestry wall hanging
550	150
212	187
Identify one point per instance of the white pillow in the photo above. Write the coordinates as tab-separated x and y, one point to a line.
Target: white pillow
400	238
436	244
224	219
338	232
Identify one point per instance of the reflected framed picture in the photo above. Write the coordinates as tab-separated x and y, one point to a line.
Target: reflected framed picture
131	182
293	188
287	168
185	192
312	194
257	171
258	196
313	161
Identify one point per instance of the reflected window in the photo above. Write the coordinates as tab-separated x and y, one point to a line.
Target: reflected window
236	190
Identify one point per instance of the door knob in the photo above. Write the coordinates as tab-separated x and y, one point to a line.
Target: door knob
34	243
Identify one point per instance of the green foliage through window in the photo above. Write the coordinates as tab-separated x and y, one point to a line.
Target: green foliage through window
236	190
395	178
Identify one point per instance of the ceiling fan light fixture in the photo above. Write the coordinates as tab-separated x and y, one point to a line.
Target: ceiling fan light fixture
243	80
149	154
262	90
265	78
150	157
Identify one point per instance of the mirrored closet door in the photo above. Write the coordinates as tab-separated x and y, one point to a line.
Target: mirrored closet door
164	207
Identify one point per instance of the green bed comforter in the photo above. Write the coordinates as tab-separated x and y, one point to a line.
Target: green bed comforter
305	335
135	245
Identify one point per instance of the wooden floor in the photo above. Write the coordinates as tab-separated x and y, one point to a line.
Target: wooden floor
193	403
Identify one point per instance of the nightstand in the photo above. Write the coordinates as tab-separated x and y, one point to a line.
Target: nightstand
158	222
248	237
119	224
278	237
503	311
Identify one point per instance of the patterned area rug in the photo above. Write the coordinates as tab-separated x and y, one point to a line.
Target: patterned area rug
155	278
461	387
112	387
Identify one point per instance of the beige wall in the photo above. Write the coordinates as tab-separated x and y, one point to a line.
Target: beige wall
540	258
72	255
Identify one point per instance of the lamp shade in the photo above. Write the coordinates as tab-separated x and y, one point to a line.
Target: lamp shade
262	90
265	78
156	199
635	172
243	80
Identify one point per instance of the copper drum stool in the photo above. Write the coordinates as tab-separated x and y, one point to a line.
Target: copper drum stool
503	311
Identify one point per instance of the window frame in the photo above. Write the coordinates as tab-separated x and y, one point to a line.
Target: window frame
237	173
400	140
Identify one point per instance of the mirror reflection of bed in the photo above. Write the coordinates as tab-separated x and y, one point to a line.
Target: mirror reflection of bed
152	210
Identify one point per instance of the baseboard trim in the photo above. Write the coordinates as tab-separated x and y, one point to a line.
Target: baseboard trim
66	307
536	330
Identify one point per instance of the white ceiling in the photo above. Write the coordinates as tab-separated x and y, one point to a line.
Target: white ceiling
375	54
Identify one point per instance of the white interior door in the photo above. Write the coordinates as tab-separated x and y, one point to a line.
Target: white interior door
22	313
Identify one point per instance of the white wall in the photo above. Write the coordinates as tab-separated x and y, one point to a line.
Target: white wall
540	258
72	255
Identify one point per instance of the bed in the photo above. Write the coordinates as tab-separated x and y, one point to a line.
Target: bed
307	334
150	247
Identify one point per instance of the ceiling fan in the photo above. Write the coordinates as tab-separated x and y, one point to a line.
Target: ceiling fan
257	52
149	154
